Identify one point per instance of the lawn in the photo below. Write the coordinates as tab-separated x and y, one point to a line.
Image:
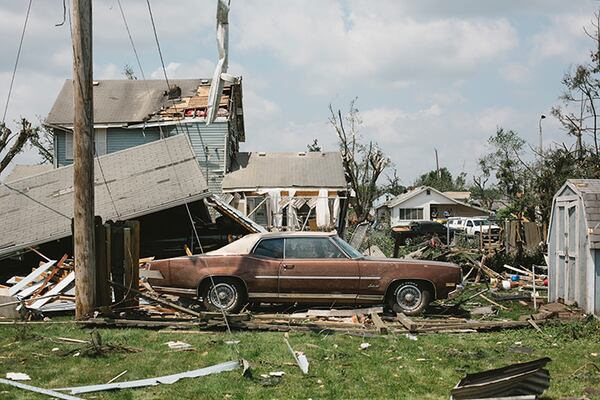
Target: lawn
394	366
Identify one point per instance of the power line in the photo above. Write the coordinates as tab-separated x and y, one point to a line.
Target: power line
131	39
12	80
157	43
36	201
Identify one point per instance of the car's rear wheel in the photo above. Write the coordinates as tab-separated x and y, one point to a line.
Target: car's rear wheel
223	295
410	298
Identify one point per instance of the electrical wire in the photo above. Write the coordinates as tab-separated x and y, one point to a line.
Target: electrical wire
12	80
36	201
131	40
220	306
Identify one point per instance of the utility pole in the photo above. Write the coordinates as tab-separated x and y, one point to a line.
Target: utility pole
437	164
83	157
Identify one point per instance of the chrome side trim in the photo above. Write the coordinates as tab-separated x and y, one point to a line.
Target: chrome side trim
262	295
317	296
371	278
370	297
312	277
175	290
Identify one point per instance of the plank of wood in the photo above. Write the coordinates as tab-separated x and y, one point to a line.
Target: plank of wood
407	322
159	300
57	289
344	313
31	277
379	323
493	302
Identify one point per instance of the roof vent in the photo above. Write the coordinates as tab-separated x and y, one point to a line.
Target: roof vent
301	153
204	81
262	154
95	83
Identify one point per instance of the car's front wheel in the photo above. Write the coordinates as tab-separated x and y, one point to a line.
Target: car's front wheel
223	295
410	298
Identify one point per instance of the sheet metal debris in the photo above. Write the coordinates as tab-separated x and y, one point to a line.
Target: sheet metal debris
525	379
166	380
299	356
36	389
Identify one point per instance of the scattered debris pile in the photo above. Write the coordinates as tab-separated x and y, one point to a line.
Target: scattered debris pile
49	288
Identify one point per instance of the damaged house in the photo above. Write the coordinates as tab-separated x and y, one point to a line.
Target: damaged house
160	184
290	191
129	113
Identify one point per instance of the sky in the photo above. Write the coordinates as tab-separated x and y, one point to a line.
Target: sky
426	74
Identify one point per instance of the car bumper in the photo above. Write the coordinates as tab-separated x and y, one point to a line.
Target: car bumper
456	292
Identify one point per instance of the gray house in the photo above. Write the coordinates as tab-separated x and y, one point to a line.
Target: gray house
574	245
129	113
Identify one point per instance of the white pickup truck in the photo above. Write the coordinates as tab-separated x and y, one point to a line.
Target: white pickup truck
475	226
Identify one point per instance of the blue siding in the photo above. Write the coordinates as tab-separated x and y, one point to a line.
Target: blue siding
59	149
209	145
121	139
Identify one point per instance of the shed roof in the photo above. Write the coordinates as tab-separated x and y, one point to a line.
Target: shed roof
281	170
589	191
141	180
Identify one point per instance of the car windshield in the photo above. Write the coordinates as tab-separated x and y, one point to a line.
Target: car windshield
351	251
479	222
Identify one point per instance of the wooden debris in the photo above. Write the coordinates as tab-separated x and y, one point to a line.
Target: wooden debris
379	323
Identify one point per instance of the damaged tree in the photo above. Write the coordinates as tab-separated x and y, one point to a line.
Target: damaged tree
363	163
18	140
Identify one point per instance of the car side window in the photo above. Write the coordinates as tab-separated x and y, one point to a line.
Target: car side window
311	248
272	248
469	223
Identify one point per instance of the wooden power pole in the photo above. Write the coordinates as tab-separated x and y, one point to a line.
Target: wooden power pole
83	156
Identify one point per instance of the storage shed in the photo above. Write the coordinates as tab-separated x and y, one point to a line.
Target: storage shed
574	245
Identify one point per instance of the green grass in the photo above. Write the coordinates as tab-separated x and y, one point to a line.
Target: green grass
393	367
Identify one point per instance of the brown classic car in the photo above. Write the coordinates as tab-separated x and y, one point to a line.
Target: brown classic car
304	267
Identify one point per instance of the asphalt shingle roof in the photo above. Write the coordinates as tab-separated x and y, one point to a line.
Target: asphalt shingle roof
121	101
284	170
142	180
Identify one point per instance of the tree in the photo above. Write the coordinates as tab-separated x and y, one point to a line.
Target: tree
43	142
393	185
129	72
314	146
12	144
442	180
513	175
363	163
579	111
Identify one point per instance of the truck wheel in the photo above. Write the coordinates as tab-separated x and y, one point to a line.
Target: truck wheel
410	298
226	295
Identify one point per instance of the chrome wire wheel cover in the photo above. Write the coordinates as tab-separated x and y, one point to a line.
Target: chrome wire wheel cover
409	297
223	295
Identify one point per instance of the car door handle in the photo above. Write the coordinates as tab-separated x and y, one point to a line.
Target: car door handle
288	266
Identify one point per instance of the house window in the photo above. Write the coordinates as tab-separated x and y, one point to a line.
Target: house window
99	143
258	207
410	213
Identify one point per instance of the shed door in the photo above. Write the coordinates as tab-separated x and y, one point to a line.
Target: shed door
567	248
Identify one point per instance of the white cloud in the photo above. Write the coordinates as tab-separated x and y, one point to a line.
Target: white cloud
331	45
516	73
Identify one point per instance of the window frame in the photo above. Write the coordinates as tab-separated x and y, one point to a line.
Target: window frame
264	240
345	255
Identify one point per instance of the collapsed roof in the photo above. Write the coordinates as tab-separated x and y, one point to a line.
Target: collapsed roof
285	170
128	184
125	102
